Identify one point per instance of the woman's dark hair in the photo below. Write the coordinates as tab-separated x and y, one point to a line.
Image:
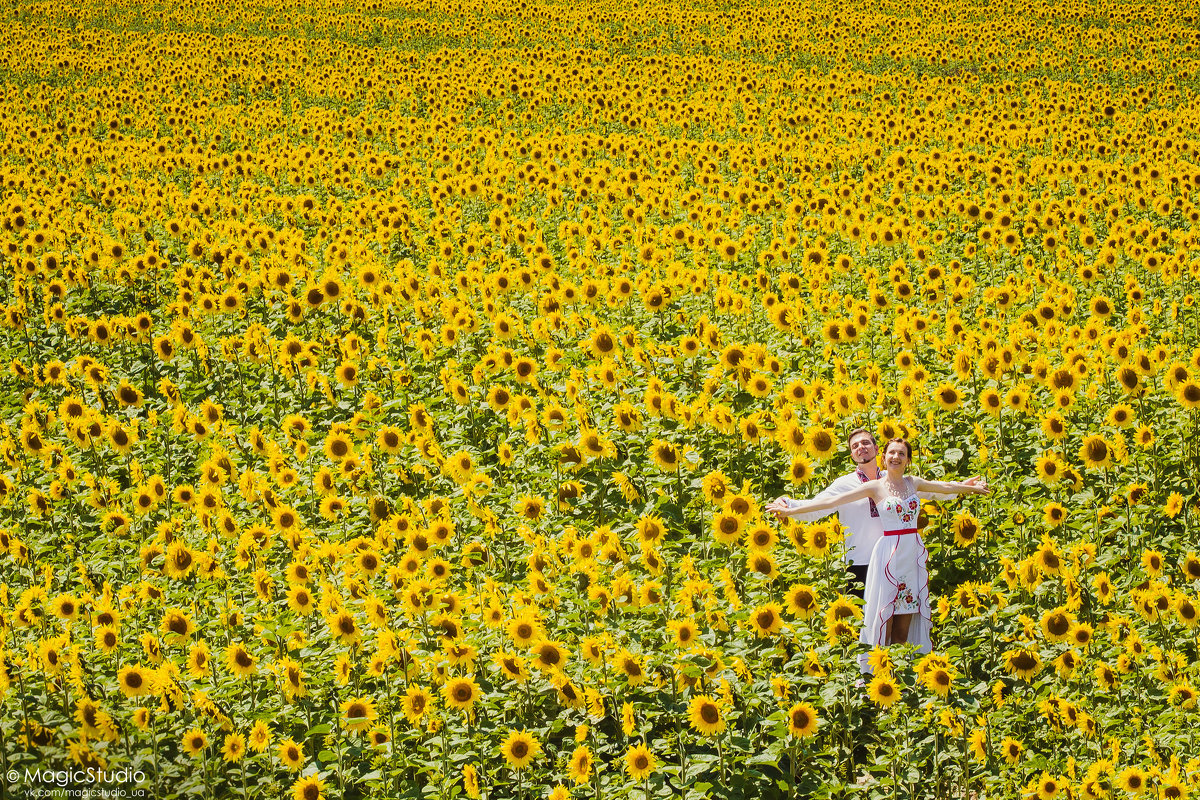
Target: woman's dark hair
903	441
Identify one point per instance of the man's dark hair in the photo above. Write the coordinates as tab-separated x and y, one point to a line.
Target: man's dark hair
856	432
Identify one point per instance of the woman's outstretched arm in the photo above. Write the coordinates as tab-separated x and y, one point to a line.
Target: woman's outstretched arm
972	485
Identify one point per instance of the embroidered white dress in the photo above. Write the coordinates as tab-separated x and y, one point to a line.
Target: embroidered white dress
898	577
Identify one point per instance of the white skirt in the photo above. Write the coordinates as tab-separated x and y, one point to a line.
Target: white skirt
897	583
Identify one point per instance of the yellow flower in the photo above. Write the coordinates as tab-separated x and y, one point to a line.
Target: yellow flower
194	742
134	681
239	660
802	601
461	693
766	620
1174	505
470	781
640	762
883	691
519	749
1095	452
966	529
1132	780
1024	662
1188	394
802	720
310	787
260	736
358	713
666	456
234	747
704	715
579	768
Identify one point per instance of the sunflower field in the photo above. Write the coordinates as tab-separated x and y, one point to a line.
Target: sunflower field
392	389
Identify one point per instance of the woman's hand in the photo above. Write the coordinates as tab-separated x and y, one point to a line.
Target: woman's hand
977	485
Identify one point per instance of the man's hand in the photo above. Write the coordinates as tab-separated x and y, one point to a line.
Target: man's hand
779	506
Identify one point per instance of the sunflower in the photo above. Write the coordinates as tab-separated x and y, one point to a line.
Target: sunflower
966	529
177	626
1132	780
766	620
239	661
549	655
179	560
344	627
1047	559
1057	624
948	397
310	787
1186	610
416	704
820	442
800	470
1129	380
802	601
1011	750
389	439
134	681
1119	416
685	632
640	762
260	736
883	690
727	528
471	781
1181	695
524	630
234	747
1047	786
802	720
1171	510
300	600
665	455
1053	515
704	715
358	713
939	680
1023	662
519	749
762	564
194	742
107	638
991	402
1188	394
461	693
579	768
630	665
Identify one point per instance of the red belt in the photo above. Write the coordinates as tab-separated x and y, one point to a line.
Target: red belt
900	532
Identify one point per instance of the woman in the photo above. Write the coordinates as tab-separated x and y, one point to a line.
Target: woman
897	593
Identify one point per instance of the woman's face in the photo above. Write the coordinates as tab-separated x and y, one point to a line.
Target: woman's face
896	455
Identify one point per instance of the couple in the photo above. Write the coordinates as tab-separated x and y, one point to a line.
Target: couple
879	511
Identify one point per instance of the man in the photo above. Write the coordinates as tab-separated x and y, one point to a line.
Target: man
860	519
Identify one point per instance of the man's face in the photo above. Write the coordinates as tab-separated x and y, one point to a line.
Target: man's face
863	449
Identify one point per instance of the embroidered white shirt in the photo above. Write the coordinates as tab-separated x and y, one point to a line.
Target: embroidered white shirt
862	530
